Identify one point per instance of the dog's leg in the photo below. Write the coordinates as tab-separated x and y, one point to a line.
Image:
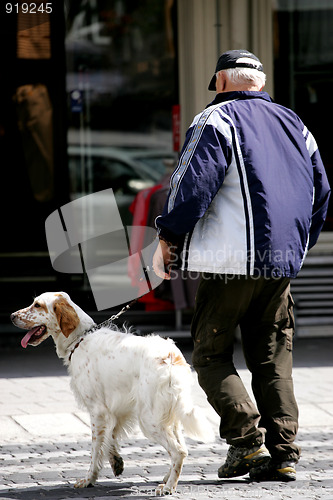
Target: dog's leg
180	453
98	428
180	438
116	461
177	455
173	442
166	477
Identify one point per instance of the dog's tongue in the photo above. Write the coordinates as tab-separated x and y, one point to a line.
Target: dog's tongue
27	337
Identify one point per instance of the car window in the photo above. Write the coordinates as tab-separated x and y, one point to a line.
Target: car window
111	173
96	173
154	162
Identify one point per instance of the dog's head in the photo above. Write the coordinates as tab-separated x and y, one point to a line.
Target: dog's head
49	314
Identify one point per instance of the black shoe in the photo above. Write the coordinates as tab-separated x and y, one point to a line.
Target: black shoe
239	461
272	471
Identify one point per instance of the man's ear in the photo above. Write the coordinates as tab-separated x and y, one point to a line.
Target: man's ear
224	81
221	82
66	315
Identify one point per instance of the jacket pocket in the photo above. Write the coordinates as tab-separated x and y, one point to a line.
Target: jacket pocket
211	342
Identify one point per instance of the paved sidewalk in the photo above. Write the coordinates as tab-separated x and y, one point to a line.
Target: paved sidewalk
45	437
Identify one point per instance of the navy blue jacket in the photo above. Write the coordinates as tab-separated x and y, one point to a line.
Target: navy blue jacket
249	194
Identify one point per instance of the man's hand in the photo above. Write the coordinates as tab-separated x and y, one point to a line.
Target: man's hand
162	258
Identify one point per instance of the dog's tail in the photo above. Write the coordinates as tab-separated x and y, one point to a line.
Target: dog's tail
193	418
171	393
196	425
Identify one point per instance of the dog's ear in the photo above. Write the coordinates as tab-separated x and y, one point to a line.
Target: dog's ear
66	316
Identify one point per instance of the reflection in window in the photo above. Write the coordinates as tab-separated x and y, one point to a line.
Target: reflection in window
122	54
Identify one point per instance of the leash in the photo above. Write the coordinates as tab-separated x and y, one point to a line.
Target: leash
112	318
108	322
130	304
125	308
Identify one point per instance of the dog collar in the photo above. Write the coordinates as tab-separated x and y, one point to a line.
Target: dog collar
76	345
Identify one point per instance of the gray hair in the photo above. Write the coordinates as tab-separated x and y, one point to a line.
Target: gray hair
240	76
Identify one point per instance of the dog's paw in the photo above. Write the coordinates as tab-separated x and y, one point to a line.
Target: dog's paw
117	464
162	489
84	483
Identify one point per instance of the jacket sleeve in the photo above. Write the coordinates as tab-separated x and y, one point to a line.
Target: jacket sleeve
198	176
321	197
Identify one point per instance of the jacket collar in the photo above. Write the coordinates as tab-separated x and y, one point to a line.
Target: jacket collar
229	96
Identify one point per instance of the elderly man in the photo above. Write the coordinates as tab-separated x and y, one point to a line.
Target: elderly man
247	200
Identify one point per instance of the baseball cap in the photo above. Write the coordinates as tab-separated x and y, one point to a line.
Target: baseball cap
235	59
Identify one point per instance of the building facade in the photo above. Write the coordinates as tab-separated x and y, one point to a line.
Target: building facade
100	93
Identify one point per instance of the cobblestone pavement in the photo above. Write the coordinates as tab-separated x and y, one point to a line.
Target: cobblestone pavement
45	437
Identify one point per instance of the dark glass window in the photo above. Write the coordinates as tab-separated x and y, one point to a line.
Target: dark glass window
303	66
121	85
121	56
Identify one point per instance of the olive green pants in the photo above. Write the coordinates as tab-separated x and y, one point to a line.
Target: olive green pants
263	308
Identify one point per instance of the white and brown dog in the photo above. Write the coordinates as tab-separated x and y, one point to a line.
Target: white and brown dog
121	379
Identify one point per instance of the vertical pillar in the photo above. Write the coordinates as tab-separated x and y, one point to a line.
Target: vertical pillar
261	37
209	28
197	25
248	24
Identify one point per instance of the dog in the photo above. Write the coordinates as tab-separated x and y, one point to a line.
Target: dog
122	380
